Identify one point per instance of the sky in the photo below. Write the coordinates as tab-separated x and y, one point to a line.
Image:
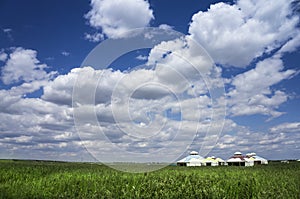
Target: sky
135	80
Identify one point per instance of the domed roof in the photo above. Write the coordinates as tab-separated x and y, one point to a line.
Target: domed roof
193	153
237	153
192	158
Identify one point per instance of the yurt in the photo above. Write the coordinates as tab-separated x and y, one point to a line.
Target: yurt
194	159
221	162
213	161
239	160
257	159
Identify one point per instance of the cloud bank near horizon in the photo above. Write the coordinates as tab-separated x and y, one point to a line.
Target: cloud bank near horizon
255	37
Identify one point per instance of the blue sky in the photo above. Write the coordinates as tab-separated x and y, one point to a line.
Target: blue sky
251	53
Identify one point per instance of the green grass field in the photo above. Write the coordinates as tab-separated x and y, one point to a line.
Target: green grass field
32	179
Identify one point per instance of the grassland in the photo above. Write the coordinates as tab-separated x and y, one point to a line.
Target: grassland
32	179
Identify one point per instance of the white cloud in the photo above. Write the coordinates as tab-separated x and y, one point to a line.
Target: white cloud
135	102
47	124
165	27
65	53
248	28
60	90
286	128
8	32
182	63
21	139
291	45
252	93
142	57
3	56
275	145
96	37
23	65
27	88
116	17
31	125
144	110
266	73
7	100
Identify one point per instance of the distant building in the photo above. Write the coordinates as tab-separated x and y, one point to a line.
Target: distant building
213	161
250	159
194	159
257	159
239	160
285	161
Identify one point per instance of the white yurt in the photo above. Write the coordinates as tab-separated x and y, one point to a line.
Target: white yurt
257	159
239	160
194	159
213	161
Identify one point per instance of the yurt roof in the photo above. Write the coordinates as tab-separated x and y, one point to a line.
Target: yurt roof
256	157
213	159
195	160
251	154
190	158
220	160
194	153
209	159
235	160
238	153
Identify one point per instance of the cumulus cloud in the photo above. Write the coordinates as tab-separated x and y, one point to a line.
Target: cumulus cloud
293	127
59	90
38	129
96	37
165	27
181	64
248	28
178	100
290	46
3	56
142	57
143	103
98	82
158	102
46	124
266	73
252	93
273	144
22	65
116	17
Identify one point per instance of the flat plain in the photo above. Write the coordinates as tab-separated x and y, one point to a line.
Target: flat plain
45	179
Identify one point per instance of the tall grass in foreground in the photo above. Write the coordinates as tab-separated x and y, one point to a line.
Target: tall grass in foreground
30	179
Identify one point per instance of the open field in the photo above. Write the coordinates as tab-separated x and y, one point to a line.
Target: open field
35	179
